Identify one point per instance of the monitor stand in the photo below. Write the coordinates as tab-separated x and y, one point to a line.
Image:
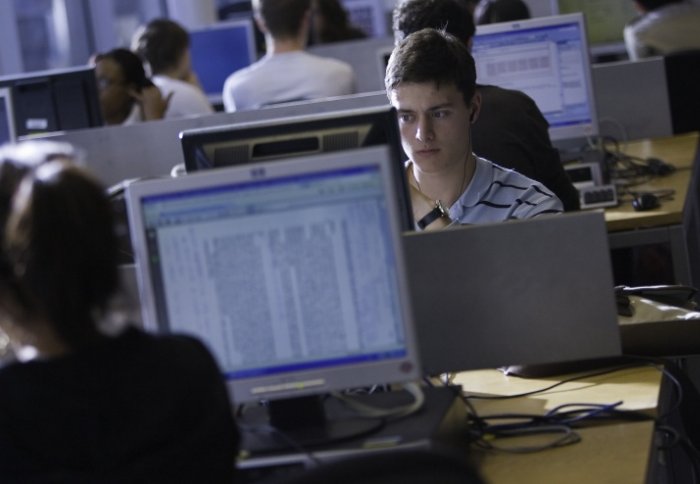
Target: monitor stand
303	420
440	424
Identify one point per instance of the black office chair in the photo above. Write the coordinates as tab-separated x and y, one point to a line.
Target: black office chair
393	467
683	82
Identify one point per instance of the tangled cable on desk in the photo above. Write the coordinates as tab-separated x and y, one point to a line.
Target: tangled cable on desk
560	422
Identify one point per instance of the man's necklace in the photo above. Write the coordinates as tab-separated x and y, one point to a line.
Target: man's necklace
462	185
439	210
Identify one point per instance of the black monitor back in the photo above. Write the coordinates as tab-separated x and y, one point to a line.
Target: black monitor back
682	79
59	100
285	138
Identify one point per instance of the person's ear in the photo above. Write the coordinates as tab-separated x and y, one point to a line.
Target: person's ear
475	108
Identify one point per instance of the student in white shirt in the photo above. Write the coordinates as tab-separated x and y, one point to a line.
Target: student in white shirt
165	46
286	72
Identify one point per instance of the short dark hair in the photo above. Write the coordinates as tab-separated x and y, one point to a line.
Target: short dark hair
162	43
62	249
431	55
130	64
451	15
654	4
282	18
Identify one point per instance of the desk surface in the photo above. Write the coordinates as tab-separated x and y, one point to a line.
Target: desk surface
608	453
676	150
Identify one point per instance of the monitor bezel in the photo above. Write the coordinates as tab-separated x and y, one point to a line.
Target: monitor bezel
247	24
558	133
6	95
305	382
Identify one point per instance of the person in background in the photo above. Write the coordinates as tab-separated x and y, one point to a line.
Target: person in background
510	130
663	27
286	73
494	11
471	5
165	46
431	81
331	23
127	95
87	400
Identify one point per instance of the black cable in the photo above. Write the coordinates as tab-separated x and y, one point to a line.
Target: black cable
582	376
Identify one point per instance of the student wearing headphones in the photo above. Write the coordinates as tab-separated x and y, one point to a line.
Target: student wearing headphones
431	81
511	130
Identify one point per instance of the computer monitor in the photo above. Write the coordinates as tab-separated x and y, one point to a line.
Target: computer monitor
7	121
291	272
219	50
56	100
605	22
547	58
368	15
277	139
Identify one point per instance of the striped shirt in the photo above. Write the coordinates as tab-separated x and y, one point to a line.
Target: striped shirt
496	194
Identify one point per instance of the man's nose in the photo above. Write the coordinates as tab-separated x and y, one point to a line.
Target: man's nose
425	131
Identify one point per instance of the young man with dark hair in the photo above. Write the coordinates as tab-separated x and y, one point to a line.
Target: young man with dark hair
511	130
431	81
664	27
494	11
286	73
165	46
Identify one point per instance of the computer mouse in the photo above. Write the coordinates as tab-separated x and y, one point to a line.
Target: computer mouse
645	201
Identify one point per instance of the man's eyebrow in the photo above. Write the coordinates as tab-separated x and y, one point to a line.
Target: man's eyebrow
447	104
431	108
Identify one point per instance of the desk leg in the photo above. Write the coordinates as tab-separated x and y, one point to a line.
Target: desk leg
670	461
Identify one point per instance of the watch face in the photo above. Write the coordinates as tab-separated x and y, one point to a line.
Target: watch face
439	206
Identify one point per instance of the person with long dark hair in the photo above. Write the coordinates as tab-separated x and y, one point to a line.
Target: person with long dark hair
127	95
85	399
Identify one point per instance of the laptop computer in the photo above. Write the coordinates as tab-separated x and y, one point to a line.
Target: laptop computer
515	293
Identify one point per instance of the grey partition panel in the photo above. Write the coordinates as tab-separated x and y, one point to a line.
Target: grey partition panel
151	149
367	57
480	301
632	99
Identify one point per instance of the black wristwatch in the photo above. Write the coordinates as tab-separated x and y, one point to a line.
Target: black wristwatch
436	213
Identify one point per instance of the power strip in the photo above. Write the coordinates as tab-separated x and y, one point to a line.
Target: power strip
587	179
597	196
